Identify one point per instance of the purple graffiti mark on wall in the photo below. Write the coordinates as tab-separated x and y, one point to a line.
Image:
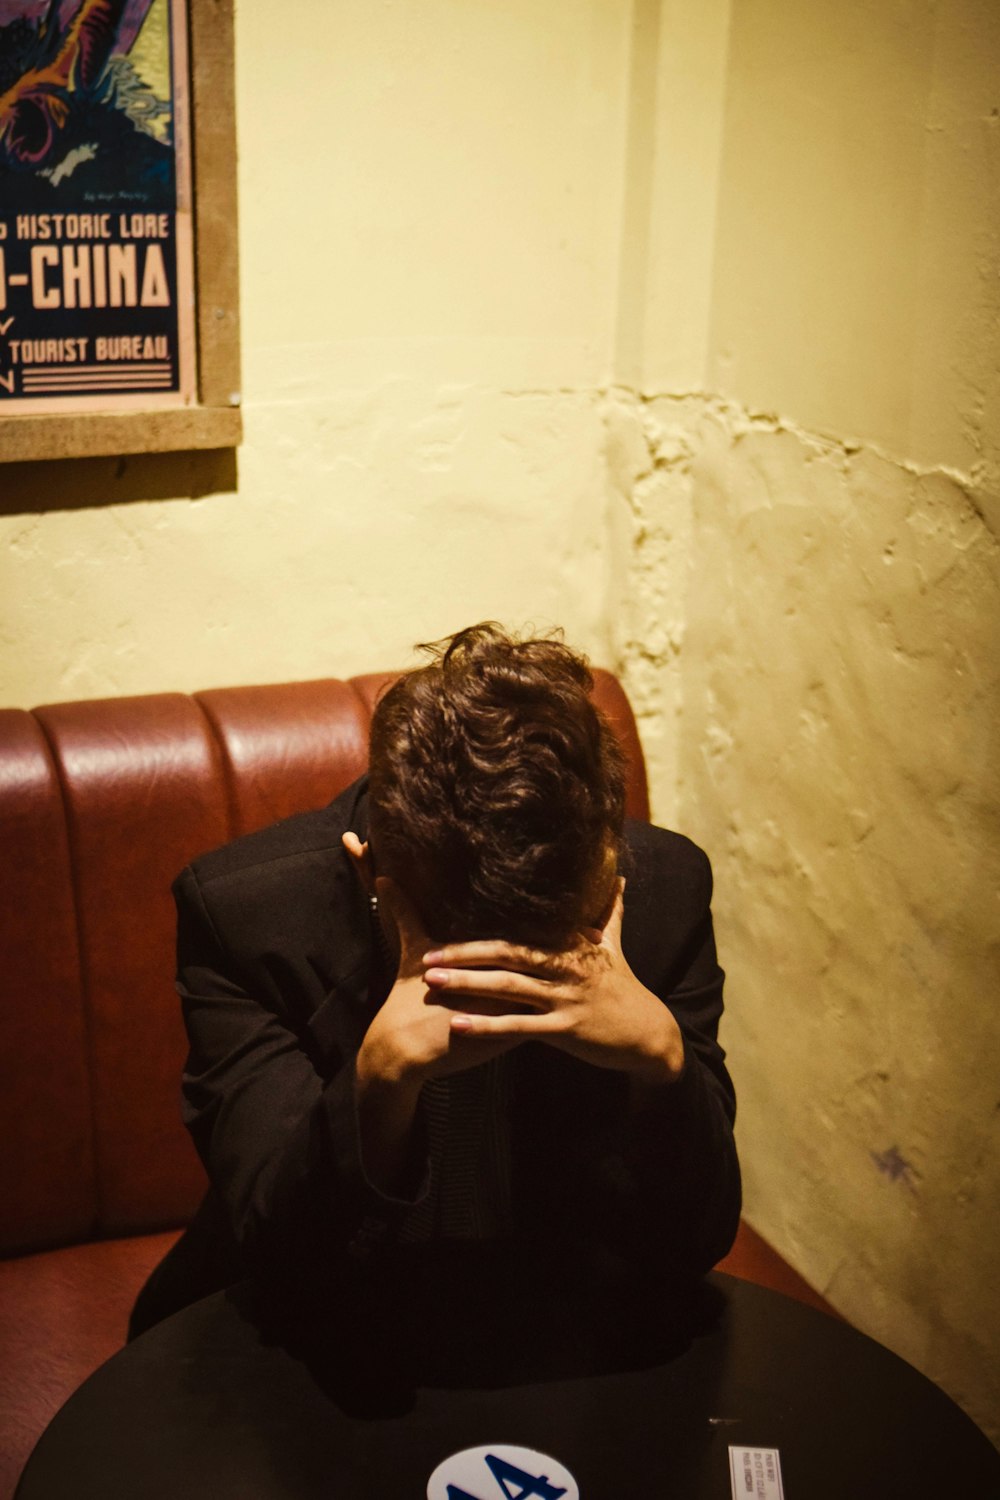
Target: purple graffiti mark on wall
893	1164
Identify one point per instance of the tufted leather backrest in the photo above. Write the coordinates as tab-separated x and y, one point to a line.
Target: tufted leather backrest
101	804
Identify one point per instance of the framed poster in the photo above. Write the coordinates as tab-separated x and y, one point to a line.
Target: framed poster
105	266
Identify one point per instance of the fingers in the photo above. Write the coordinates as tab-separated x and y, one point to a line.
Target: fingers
509	1024
497	954
476	1005
502	985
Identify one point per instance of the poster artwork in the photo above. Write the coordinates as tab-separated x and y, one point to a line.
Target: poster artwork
96	252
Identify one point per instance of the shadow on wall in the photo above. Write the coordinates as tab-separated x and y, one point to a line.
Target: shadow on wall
87	483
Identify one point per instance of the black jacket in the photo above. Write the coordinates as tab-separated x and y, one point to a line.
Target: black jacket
275	951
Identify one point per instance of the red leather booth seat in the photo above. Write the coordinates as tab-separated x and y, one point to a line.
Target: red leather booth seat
101	804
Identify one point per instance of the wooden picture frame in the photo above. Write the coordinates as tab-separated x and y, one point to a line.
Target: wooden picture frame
213	418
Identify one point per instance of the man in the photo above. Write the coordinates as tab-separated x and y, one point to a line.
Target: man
465	1011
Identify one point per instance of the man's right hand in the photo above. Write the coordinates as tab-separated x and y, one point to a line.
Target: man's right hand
409	1041
410	1038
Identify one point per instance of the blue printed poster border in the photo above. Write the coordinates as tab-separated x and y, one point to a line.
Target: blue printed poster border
96	236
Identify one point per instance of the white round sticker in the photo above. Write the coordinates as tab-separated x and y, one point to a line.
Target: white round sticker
501	1471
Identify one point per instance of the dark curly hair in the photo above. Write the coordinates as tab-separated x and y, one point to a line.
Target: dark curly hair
497	789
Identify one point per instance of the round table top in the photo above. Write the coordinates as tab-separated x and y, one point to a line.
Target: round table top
210	1405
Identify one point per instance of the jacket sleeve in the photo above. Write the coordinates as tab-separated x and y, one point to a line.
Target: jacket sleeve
274	1123
671	1180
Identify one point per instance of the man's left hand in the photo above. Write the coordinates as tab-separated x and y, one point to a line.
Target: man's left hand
583	999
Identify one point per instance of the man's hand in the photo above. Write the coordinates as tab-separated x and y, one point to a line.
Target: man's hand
583	999
411	1038
409	1041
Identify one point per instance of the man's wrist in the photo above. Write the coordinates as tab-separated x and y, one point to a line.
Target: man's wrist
663	1059
382	1071
387	1110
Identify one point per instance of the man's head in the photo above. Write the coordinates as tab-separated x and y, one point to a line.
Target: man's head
497	790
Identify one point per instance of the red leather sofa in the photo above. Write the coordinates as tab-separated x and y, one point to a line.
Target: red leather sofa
101	804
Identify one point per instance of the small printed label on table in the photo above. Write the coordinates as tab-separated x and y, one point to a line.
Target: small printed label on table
501	1471
755	1473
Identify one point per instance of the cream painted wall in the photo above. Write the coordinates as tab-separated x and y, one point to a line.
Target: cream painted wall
430	201
677	100
809	618
855	282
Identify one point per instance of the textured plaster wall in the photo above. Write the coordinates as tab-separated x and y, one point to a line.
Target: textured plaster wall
430	201
808	610
833	743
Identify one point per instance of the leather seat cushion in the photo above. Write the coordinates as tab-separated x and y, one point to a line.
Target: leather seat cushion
62	1313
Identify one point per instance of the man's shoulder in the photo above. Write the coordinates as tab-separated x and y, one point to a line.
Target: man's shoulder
662	853
302	839
668	889
281	909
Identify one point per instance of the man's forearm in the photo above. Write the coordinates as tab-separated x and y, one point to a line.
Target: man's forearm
387	1111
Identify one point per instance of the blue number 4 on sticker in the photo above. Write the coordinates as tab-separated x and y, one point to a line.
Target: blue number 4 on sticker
508	1475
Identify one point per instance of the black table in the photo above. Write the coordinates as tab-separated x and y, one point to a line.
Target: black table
208	1407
